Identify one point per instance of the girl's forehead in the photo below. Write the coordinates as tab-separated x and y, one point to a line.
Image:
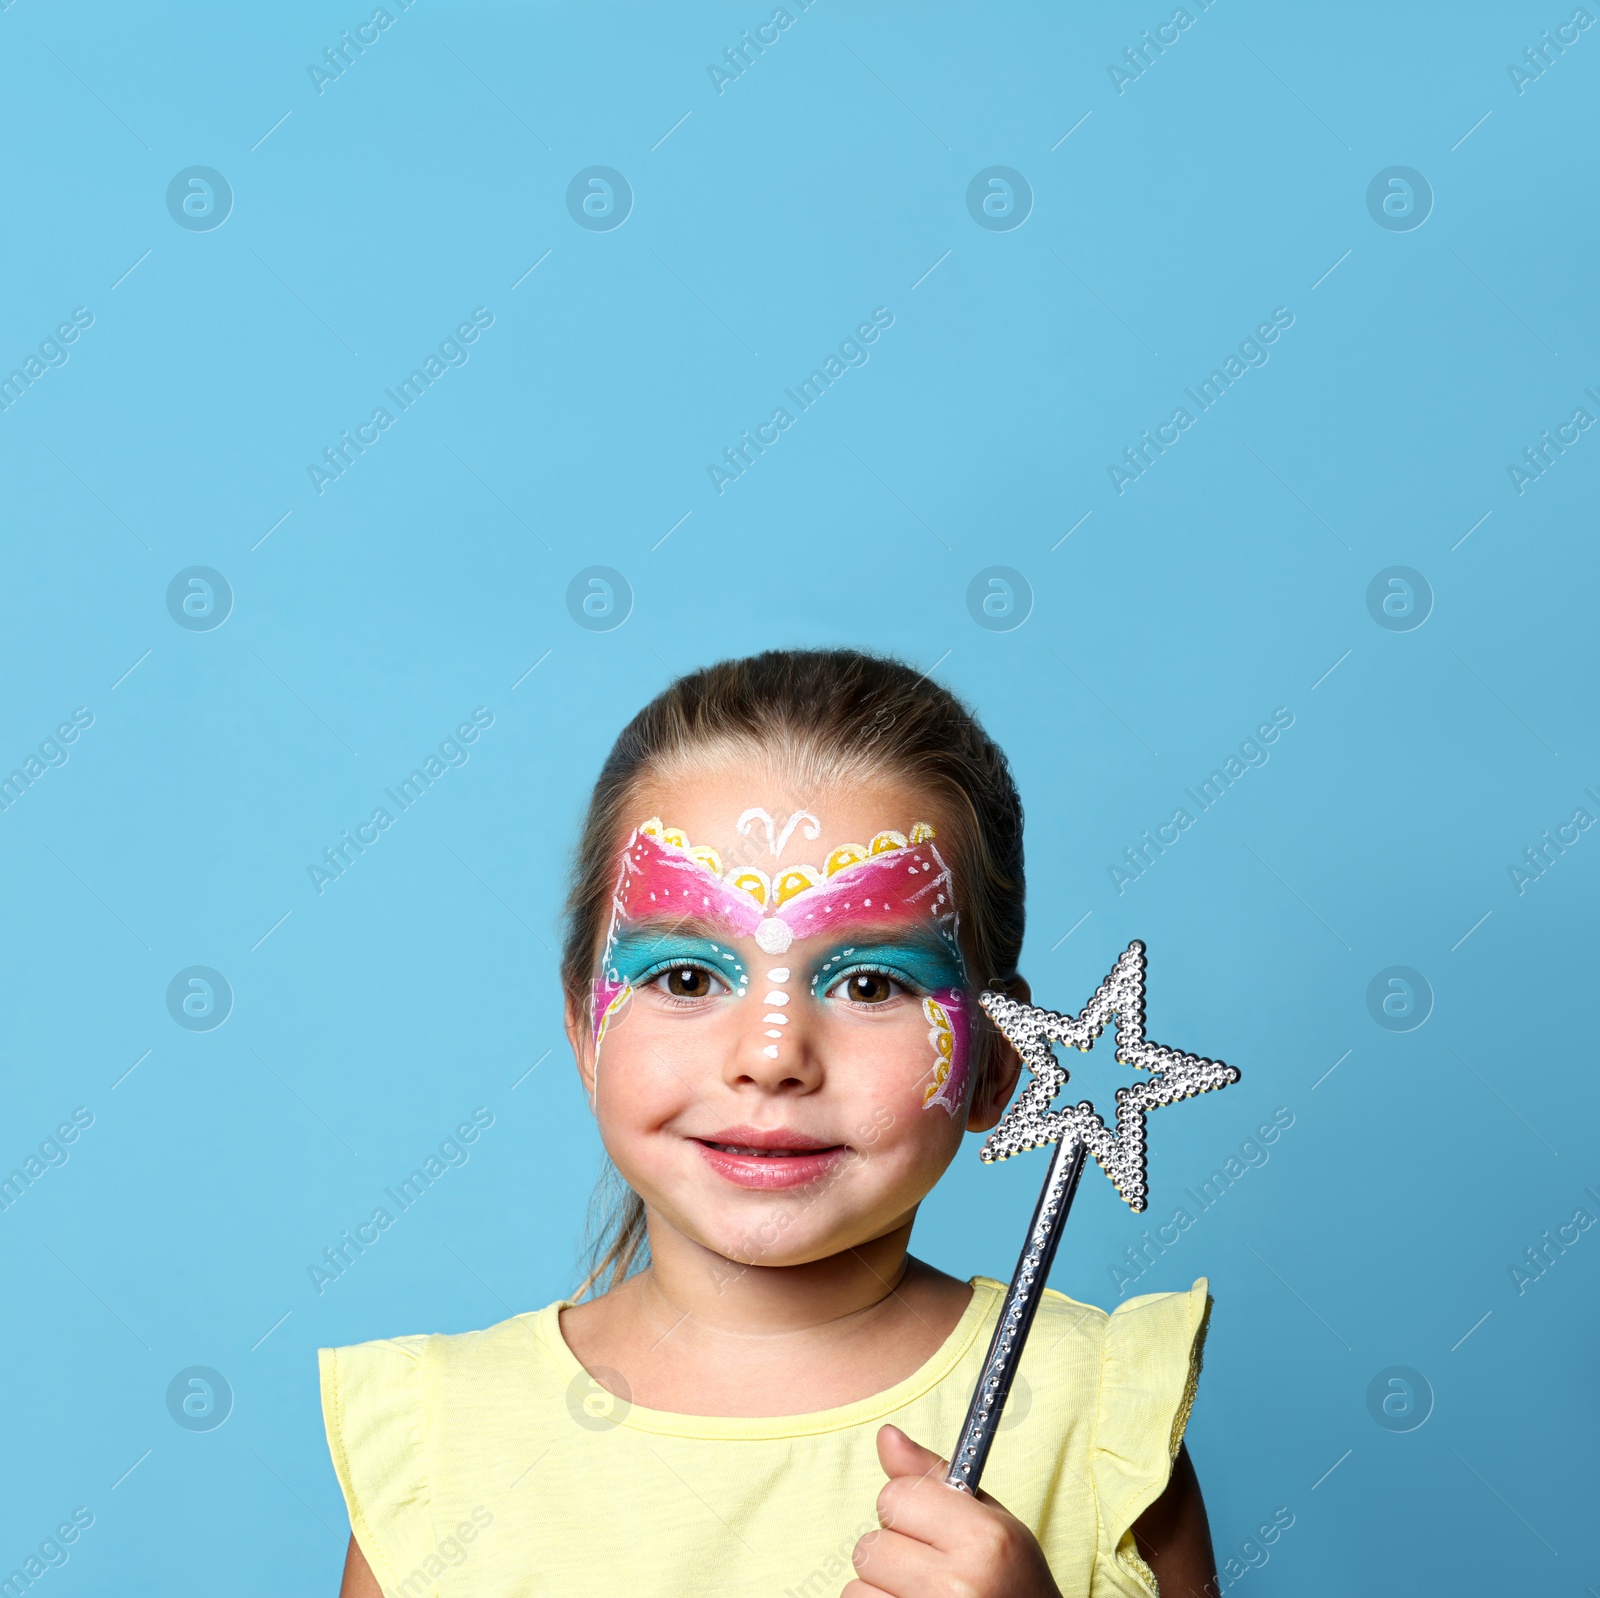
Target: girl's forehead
762	815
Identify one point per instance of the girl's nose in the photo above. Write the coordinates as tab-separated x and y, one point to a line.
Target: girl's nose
774	1050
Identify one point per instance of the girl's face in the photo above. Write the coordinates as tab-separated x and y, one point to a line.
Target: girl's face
780	1036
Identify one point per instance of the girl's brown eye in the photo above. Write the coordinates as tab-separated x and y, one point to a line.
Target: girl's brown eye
687	982
869	987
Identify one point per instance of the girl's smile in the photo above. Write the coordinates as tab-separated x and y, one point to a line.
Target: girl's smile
768	1160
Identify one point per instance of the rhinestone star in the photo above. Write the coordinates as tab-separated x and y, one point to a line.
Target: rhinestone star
1032	1121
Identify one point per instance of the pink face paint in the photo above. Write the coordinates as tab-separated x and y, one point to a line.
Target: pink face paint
890	888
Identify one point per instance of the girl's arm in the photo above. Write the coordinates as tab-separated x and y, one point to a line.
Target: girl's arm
359	1582
1174	1537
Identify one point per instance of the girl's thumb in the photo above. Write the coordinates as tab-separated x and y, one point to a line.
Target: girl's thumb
900	1456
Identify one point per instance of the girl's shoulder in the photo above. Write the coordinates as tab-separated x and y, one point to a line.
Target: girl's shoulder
1116	1388
382	1405
1140	1322
391	1382
1142	1357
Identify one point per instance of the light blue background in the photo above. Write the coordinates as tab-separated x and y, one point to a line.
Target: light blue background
1166	623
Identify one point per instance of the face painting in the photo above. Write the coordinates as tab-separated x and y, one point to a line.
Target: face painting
884	908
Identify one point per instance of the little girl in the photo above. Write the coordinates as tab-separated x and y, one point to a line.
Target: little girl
797	873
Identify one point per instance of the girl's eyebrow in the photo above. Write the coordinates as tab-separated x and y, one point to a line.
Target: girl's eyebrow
668	932
667	924
927	956
636	943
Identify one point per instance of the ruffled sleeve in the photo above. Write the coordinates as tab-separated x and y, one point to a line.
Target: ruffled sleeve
1149	1369
373	1411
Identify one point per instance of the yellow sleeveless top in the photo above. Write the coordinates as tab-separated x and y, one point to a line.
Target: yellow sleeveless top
492	1465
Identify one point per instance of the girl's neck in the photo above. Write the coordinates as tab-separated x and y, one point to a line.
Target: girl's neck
696	1333
685	1278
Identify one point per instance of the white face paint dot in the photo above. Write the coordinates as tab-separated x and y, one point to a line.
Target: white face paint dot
773	936
776	1020
775	1034
771	1051
776	998
778	974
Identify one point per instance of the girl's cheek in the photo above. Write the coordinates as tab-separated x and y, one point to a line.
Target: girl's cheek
949	1017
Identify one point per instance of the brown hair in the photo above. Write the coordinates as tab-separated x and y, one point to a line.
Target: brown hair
828	715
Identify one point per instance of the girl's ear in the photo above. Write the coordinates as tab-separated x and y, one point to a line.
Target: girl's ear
580	1035
1005	1065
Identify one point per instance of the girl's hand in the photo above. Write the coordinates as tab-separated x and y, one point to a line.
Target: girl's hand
938	1542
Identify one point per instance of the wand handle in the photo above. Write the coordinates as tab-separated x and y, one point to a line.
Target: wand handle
1016	1315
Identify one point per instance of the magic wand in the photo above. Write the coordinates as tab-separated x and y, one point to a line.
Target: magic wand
1077	1131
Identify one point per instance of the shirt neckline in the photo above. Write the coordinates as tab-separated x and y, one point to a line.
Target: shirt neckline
668	1423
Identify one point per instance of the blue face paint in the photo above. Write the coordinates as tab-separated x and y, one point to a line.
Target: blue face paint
641	954
921	966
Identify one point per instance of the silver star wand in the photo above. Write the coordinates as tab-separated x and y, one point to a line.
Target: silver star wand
1076	1130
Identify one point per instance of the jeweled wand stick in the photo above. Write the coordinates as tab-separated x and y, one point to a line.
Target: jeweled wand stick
1077	1131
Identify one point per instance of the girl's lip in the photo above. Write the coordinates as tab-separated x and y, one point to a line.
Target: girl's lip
769	1171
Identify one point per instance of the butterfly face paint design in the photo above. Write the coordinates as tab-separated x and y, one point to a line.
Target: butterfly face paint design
888	906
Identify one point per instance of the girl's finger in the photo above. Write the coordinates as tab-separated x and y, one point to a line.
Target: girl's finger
925	1508
902	1567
